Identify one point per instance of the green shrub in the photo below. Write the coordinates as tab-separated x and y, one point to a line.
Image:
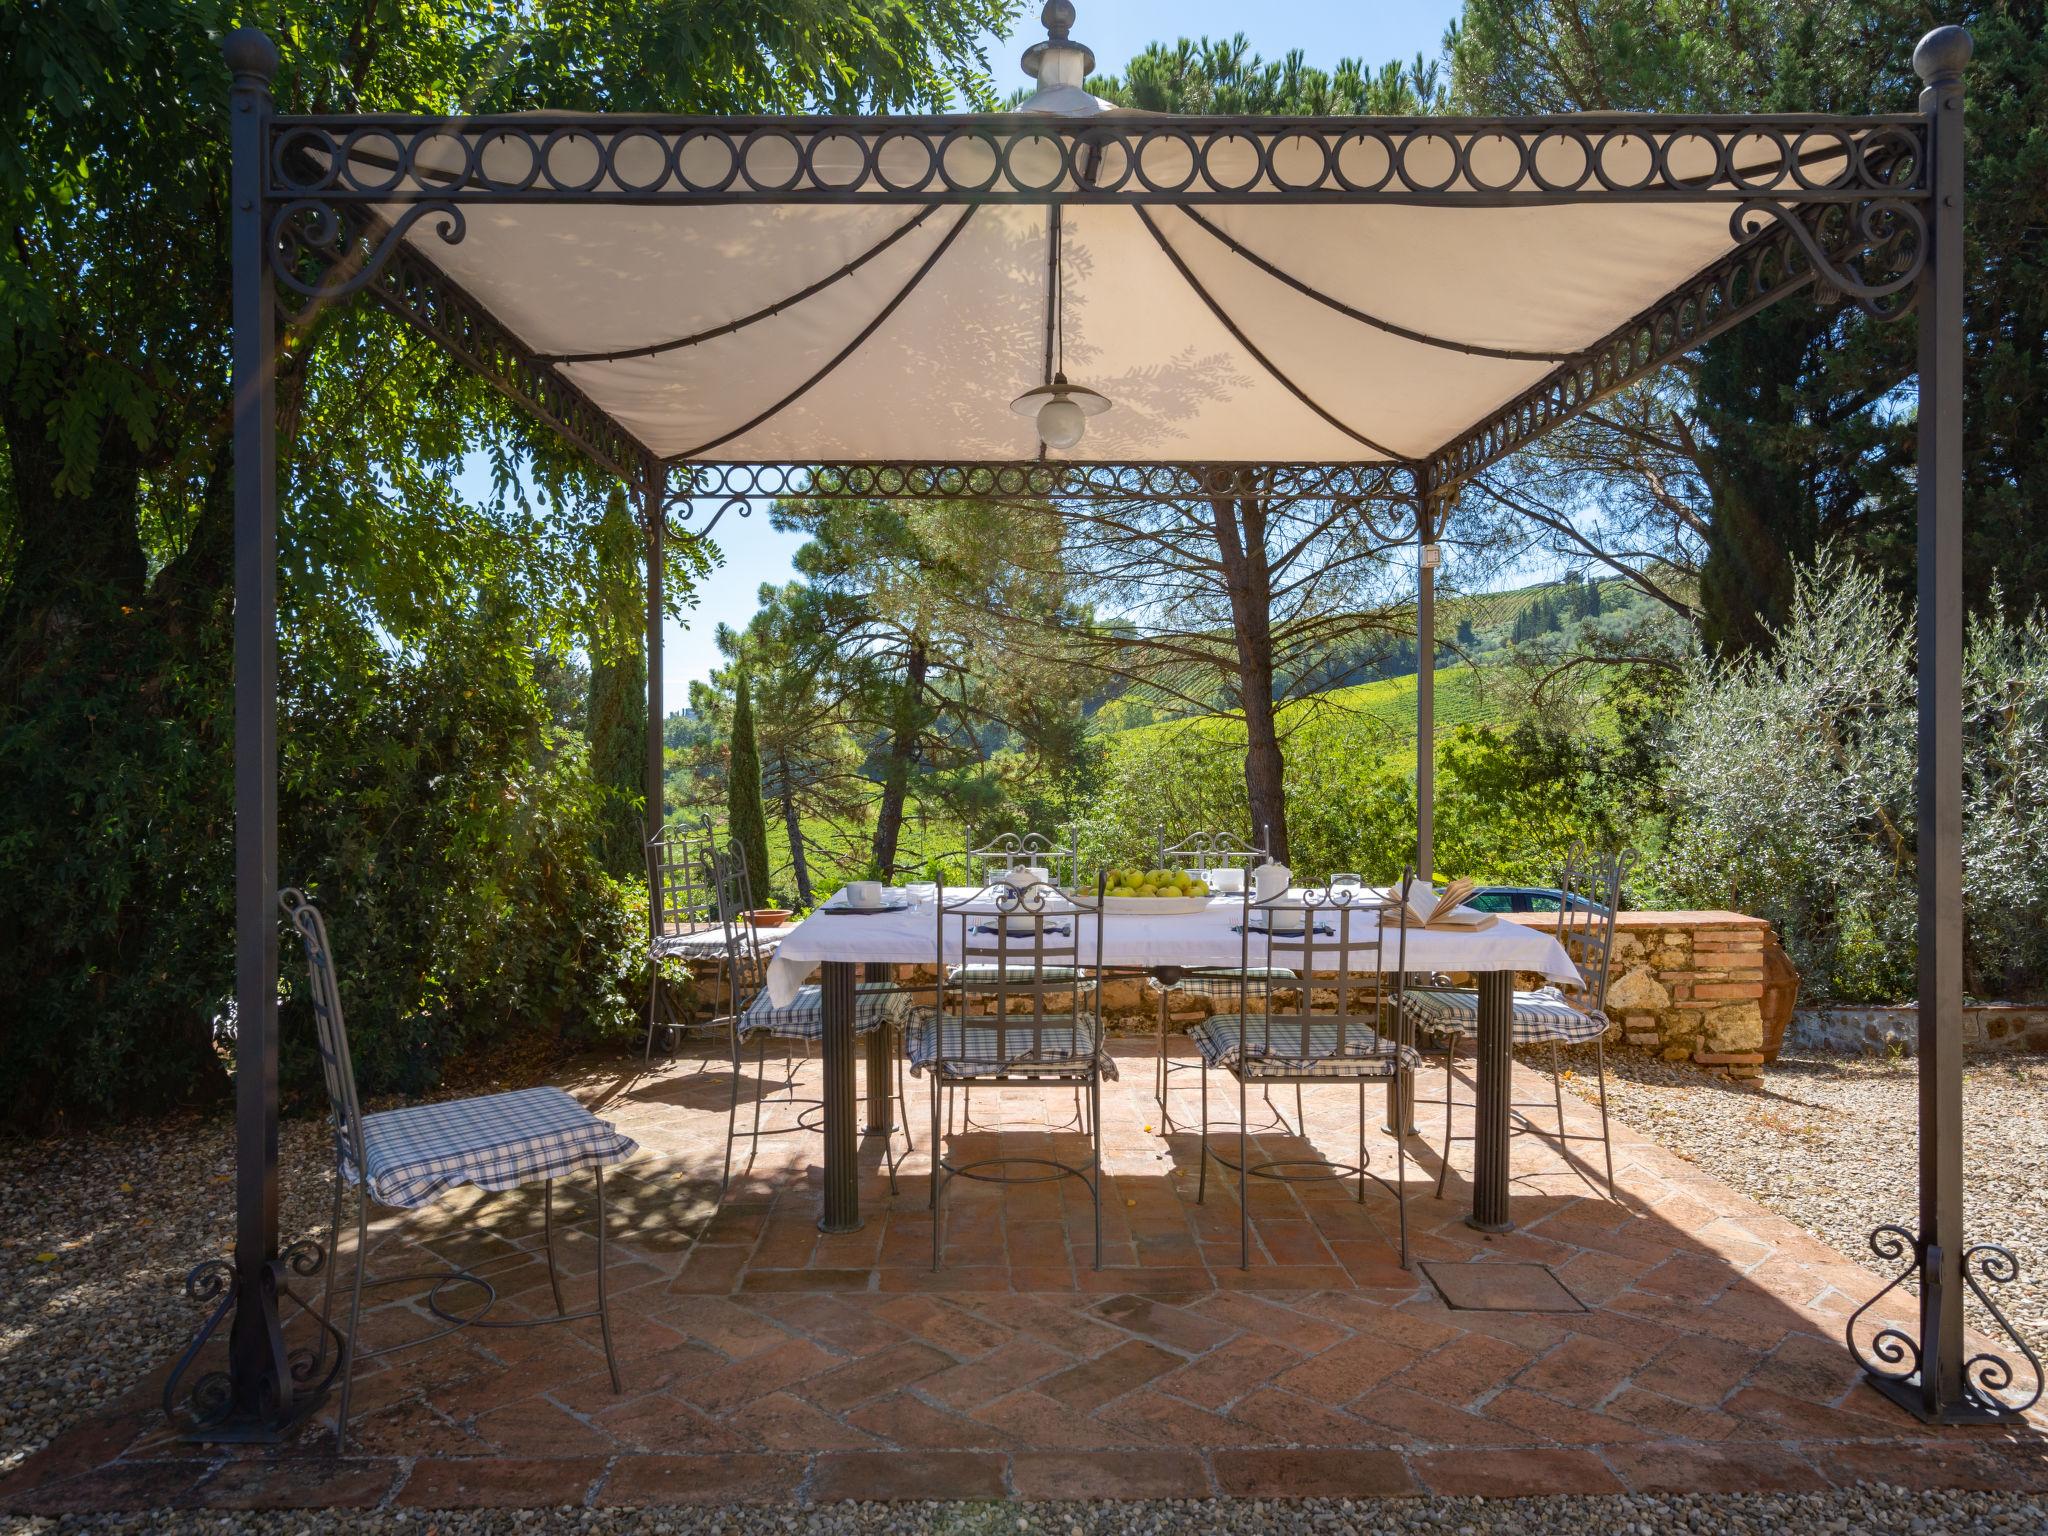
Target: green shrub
446	827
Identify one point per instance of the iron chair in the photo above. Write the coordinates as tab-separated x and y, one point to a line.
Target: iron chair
1445	1017
1337	944
407	1158
1023	950
993	864
752	1013
681	903
1061	860
1219	984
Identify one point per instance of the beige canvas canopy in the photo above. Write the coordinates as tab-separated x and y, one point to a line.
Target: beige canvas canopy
1255	330
1306	291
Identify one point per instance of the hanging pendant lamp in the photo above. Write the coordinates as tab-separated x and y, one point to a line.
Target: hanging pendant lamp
1062	409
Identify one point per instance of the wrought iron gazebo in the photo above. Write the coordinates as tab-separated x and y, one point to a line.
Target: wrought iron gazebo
1365	310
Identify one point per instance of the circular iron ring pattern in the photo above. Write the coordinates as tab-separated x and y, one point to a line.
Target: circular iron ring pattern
1791	159
1043	480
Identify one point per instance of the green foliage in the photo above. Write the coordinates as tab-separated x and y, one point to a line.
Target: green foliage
743	821
1225	76
451	852
441	819
1793	429
1508	803
1791	782
616	722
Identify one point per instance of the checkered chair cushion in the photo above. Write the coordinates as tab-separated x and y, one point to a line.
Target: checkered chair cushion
1231	986
969	1048
988	974
498	1141
1450	1013
1224	1041
875	1003
694	945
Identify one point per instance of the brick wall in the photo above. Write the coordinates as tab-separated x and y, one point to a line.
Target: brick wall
1690	986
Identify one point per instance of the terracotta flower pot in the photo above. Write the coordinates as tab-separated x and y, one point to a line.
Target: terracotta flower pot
769	917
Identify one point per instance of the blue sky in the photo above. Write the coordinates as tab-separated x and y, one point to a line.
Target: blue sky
1325	30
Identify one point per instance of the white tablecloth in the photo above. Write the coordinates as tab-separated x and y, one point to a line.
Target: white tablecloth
1209	937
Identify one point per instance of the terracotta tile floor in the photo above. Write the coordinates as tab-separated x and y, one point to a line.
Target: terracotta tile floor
766	1362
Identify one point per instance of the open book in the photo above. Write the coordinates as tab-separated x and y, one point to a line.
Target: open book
1446	909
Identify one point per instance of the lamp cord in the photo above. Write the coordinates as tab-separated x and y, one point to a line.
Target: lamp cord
1055	296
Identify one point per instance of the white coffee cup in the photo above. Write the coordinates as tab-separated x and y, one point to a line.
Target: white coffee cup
1228	881
863	893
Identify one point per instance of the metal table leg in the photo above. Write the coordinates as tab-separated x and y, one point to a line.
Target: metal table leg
842	1163
1495	1072
881	1114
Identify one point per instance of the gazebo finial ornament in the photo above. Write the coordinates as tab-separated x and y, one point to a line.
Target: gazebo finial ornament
1061	66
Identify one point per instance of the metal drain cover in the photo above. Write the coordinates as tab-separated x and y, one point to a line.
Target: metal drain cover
1501	1287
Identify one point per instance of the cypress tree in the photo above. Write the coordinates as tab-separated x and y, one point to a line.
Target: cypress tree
615	720
745	824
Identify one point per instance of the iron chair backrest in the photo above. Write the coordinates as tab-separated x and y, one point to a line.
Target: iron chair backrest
337	1068
1061	861
733	901
680	879
1007	938
1340	943
1590	887
1214	850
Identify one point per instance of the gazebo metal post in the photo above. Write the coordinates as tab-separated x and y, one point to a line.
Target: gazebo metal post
1401	1089
259	1375
1942	1390
1425	686
653	518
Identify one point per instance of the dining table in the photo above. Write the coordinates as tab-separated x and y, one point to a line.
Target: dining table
837	941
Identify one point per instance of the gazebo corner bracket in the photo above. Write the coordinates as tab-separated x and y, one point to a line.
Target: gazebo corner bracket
206	1404
1894	1361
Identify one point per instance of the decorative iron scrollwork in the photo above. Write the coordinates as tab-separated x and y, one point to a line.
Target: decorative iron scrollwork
1893	1354
1989	1377
318	254
413	289
1884	234
1894	1359
300	1376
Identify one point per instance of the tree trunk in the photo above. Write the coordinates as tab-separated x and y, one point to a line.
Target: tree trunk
903	732
1241	542
113	749
794	826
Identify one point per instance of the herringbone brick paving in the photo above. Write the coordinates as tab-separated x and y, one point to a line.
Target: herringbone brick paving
765	1361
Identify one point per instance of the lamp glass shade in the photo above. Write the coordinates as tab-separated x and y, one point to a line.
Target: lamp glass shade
1061	423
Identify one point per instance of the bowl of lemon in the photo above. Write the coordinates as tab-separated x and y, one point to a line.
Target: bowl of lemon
1153	892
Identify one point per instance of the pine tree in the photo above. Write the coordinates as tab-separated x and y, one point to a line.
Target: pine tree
745	824
615	720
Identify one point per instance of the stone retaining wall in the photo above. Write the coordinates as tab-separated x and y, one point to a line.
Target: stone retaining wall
1688	985
1875	1030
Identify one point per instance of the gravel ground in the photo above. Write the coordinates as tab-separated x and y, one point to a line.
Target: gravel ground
1832	1143
1868	1511
101	1228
